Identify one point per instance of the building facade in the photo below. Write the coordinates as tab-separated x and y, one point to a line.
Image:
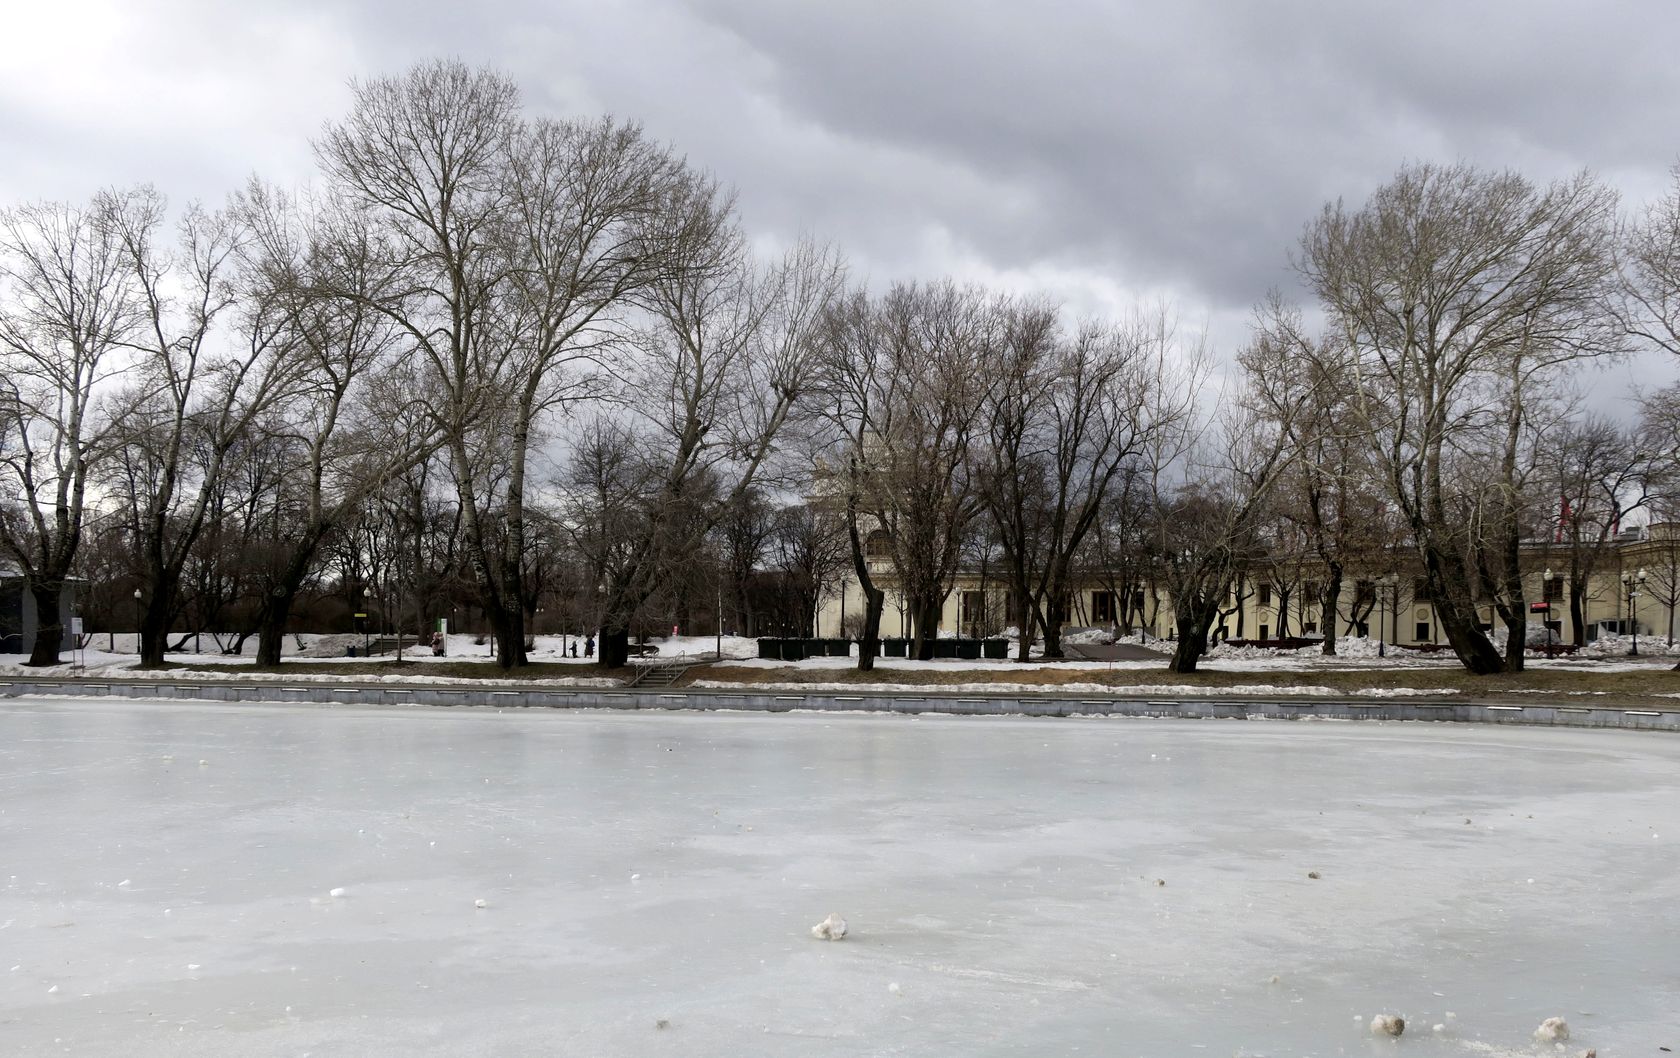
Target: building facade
1633	579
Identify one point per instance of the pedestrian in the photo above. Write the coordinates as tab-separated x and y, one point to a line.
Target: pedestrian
589	647
574	648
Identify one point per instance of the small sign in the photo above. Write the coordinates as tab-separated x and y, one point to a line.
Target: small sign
1539	607
361	615
75	626
443	625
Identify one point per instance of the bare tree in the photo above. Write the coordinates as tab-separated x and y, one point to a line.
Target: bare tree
723	362
905	380
354	420
195	397
68	306
1070	414
811	551
1455	293
518	251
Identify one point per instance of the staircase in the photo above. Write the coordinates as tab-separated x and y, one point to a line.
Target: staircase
669	671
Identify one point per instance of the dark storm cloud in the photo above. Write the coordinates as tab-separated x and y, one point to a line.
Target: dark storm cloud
1102	151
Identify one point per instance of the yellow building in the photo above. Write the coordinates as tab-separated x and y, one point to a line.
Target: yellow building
1269	601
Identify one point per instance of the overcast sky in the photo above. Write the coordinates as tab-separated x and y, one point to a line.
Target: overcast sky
1104	152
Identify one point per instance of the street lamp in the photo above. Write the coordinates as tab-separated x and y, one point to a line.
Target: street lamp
1633	582
139	619
1392	583
1546	601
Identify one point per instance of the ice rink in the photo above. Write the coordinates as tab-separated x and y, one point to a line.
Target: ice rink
168	871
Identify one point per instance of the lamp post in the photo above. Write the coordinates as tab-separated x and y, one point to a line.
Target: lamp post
139	618
1633	582
1546	599
1392	583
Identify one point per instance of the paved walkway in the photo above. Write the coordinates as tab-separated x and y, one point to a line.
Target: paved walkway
1115	652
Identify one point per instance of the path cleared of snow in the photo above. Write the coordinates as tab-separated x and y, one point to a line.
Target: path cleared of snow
553	883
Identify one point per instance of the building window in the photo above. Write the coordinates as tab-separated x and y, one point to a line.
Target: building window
1309	627
1265	632
1554	589
879	545
973	607
1102	607
1265	595
1422	632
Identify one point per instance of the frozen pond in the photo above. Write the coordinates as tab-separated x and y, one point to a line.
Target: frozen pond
641	871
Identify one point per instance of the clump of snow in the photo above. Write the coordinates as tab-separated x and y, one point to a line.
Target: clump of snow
1087	637
1552	1030
336	891
1388	1025
831	928
481	904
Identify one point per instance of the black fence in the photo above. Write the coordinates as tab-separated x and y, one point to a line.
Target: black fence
953	649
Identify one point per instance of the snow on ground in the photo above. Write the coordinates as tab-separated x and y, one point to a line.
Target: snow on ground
540	883
1354	654
1171	689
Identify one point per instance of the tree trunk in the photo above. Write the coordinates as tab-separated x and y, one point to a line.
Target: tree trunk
1192	623
869	641
154	631
508	626
1447	587
926	615
49	629
1055	615
1332	604
272	632
1516	640
613	648
1577	617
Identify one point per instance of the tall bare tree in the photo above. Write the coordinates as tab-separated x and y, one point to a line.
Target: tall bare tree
68	306
1070	413
197	389
724	360
1455	293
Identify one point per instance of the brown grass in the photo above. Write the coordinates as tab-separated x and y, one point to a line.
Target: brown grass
1586	685
456	670
1582	686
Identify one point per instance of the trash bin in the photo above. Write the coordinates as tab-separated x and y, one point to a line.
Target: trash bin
770	649
349	652
997	649
894	648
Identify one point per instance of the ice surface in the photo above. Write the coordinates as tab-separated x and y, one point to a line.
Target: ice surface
1000	871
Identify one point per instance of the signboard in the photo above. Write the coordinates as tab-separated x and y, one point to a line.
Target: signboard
361	615
443	625
1539	607
75	626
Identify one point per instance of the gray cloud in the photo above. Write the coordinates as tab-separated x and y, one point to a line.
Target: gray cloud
1105	151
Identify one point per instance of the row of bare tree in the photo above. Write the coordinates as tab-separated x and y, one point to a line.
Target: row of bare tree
525	360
